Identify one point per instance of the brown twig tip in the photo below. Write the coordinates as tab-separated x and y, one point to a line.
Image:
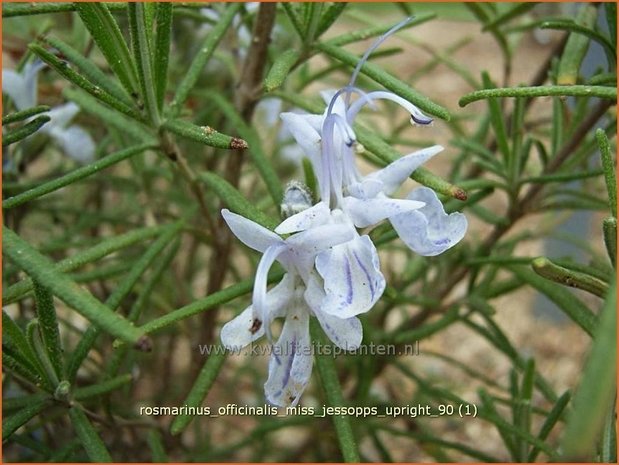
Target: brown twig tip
237	143
144	344
460	194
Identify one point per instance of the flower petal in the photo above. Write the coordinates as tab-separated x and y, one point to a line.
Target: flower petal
306	219
250	233
75	142
244	329
62	115
14	85
371	211
304	246
302	129
429	231
347	333
290	366
22	87
394	174
352	278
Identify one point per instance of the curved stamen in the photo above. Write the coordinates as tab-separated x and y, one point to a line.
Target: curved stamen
345	130
259	296
373	47
417	116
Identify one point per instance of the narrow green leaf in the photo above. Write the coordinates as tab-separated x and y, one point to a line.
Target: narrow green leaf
518	10
329	16
610	238
199	62
387	80
24	114
90	70
549	270
523	418
162	50
280	69
201	387
551	420
48	324
96	390
33	334
235	200
16	403
592	34
541	91
140	36
611	20
156	446
262	163
564	299
608	446
121	291
161	267
123	124
103	248
294	17
62	68
10	10
204	134
206	303
106	34
333	393
609	169
576	47
10	137
43	270
366	33
562	177
596	392
14	338
91	442
73	176
12	362
15	421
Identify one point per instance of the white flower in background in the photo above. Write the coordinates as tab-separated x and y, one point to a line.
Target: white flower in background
73	140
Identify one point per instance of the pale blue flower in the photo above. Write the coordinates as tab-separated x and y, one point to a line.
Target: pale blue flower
297	297
328	139
73	140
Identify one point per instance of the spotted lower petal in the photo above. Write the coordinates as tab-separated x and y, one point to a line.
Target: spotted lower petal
429	231
352	278
371	211
290	366
245	328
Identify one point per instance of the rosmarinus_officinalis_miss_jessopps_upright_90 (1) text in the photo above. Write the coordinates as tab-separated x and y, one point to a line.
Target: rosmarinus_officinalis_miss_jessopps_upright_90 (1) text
333	271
